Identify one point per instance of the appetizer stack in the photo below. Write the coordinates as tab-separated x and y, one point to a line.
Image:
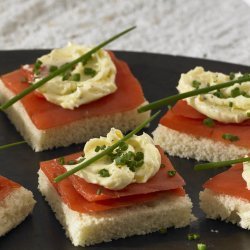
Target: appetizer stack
16	203
112	197
212	126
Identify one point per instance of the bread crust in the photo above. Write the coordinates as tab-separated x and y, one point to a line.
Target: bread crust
75	132
176	143
88	229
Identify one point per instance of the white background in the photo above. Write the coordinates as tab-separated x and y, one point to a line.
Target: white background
214	29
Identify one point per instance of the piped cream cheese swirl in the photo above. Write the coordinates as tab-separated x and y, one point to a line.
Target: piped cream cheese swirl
84	83
229	105
107	173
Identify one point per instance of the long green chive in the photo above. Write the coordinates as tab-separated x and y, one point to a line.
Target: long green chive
219	164
208	122
11	144
61	70
171	99
107	151
230	137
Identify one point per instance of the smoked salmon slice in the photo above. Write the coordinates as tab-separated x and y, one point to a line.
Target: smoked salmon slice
230	183
86	197
6	187
128	96
185	119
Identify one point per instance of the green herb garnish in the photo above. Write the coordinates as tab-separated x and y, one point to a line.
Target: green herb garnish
171	99
231	75
201	246
193	236
104	173
235	92
90	72
76	77
71	162
230	137
60	70
230	104
37	66
248	114
196	84
162	165
98	148
61	160
171	173
107	151
219	164
11	144
208	122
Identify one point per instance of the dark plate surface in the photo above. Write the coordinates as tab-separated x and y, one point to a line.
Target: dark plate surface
158	75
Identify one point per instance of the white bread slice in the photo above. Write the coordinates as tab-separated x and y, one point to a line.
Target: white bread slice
225	207
89	229
14	208
188	146
75	132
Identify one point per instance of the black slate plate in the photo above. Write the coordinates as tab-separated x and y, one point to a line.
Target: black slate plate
159	75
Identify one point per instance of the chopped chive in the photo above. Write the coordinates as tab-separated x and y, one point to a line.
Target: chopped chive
193	236
162	165
61	160
175	98
248	114
90	72
11	144
107	151
124	146
98	148
196	84
139	156
171	173
61	70
212	165
201	246
99	191
230	137
231	75
71	162
76	77
104	173
53	68
218	94
235	92
208	122
230	104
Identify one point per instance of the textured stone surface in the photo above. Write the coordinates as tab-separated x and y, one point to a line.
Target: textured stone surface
198	28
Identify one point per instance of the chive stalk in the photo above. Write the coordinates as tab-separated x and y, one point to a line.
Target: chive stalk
106	151
61	70
212	165
11	144
174	98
